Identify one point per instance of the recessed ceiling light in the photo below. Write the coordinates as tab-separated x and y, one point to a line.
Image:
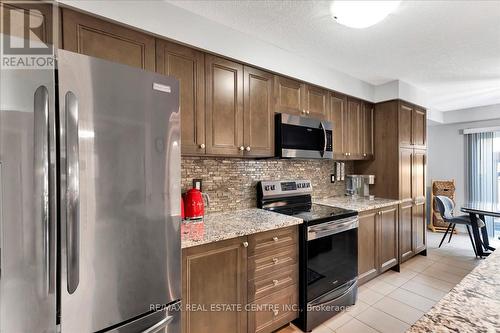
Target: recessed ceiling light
361	14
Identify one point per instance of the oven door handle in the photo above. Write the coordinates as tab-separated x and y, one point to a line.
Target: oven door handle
325	299
322	230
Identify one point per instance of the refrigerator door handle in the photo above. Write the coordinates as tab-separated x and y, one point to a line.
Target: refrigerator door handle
159	325
41	165
72	193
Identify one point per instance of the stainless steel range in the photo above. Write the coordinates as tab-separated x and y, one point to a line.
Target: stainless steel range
328	265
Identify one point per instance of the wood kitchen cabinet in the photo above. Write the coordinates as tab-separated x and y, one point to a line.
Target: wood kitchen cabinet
412	126
300	99
338	117
188	66
258	115
94	37
377	242
352	127
213	274
316	102
251	272
399	167
224	107
288	95
367	131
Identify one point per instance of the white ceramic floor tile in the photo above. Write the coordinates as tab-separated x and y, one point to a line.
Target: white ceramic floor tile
424	290
382	322
398	279
369	296
433	282
407	297
322	329
382	287
356	309
399	310
441	274
355	326
338	320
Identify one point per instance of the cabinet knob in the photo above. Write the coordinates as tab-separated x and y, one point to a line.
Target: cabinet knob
275	260
245	244
364	155
275	282
346	154
202	146
248	148
307	112
242	148
275	312
275	239
303	111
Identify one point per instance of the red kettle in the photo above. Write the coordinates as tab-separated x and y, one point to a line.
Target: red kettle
194	206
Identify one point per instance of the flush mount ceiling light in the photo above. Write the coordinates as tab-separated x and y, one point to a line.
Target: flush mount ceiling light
361	14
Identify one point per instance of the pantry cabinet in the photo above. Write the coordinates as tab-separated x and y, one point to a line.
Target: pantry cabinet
188	66
377	242
94	37
399	167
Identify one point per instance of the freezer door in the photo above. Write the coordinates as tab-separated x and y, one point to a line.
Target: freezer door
27	211
120	185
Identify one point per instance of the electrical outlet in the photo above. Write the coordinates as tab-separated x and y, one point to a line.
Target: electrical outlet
332	178
197	184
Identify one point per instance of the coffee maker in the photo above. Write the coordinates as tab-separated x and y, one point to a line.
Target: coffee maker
358	186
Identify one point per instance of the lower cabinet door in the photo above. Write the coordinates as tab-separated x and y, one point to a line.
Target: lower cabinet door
214	278
388	238
405	230
419	227
367	246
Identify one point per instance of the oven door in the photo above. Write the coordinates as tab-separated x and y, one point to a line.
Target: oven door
303	137
332	257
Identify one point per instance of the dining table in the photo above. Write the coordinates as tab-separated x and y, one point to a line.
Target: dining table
478	210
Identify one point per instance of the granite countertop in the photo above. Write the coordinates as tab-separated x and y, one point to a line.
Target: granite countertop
220	226
472	306
357	204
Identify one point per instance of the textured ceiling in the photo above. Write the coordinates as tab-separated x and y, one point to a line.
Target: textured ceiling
451	49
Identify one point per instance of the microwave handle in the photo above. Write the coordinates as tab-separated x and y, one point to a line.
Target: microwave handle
325	136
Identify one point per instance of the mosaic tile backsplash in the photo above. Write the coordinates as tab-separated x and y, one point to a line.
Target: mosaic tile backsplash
231	183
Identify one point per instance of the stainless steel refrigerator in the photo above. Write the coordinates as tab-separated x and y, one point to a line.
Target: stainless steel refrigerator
90	199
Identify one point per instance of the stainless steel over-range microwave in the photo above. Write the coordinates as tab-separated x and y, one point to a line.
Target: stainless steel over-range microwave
301	137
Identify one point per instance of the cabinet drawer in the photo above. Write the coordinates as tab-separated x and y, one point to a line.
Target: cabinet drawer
270	283
270	240
271	261
271	312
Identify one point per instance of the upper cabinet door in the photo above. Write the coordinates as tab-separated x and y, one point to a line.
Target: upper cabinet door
405	125
93	37
288	96
367	130
258	129
338	117
316	102
354	128
419	127
224	106
187	66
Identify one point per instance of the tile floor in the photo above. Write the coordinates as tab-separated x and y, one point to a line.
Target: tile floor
392	302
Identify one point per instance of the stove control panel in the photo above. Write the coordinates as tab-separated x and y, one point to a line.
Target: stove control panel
277	188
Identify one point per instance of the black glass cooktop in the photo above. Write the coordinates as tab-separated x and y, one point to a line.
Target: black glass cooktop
315	213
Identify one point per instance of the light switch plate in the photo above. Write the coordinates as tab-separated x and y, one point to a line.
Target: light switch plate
197	183
332	178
